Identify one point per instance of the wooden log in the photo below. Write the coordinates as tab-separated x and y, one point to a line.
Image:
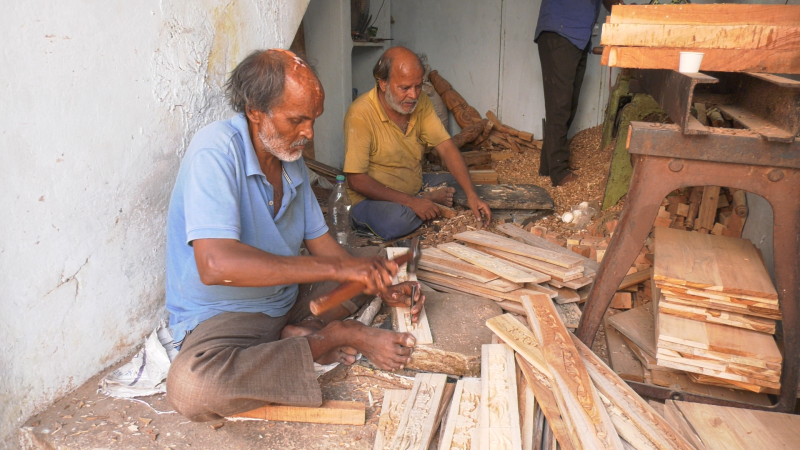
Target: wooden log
694	206
740	203
331	412
715	118
469	134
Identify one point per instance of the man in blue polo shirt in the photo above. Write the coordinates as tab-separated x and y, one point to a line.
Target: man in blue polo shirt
564	35
240	210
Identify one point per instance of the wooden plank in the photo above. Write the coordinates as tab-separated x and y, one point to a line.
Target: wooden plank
492	240
703	314
546	402
488	262
643	416
401	319
527	411
716	60
533	264
708	208
743	299
718	338
499	409
432	258
635	278
335	412
747	37
674	379
535	241
416	425
566	295
462	421
734	428
394	402
483	176
750	308
711	355
709	262
677	363
621	357
577	283
676	419
638	325
592	425
711	14
499	285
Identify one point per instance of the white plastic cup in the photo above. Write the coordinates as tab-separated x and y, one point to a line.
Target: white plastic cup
690	62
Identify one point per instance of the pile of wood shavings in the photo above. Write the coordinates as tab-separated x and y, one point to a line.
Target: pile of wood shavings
593	165
441	231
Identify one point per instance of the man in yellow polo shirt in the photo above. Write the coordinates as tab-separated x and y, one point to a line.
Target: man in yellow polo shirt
386	132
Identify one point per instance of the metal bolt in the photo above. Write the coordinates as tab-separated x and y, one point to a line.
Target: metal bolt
676	165
775	175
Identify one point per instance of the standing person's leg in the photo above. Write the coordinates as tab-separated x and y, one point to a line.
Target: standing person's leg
580	71
559	59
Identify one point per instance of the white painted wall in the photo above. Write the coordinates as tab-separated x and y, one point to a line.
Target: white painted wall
99	102
328	48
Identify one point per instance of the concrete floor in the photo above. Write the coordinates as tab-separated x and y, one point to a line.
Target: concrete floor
86	419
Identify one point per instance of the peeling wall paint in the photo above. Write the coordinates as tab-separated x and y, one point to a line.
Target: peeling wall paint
99	103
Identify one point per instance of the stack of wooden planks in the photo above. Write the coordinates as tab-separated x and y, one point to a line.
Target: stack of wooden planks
503	269
715	309
711	427
733	38
577	400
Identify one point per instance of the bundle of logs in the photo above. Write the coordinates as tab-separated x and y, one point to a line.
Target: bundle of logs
477	132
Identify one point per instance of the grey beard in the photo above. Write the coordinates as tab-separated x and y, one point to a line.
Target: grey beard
395	105
278	148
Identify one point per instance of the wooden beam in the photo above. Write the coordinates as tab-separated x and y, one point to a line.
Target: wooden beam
747	37
712	14
334	412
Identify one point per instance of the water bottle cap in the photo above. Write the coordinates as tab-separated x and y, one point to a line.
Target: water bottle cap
340	178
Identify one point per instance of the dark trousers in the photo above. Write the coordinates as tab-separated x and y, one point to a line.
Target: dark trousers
237	362
393	220
563	67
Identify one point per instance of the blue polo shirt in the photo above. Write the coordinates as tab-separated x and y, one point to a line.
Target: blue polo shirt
573	19
222	193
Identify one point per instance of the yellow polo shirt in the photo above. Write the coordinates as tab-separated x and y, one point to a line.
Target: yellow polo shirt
375	145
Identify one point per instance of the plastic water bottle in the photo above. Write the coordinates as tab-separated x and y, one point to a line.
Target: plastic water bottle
339	213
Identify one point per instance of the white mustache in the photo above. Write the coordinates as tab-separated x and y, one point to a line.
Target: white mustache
300	143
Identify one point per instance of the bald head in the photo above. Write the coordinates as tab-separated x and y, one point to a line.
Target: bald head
259	81
394	60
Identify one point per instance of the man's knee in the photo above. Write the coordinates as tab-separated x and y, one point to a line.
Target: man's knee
187	390
387	220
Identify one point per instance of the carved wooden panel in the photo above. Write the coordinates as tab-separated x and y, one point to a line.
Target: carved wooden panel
499	418
394	402
416	425
577	398
461	429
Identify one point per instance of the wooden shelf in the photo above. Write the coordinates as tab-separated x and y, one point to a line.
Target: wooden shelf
367	44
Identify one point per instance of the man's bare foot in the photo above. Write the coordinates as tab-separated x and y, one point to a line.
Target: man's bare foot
386	349
345	355
442	196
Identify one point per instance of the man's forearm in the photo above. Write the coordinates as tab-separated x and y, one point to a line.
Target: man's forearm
373	190
455	164
228	262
